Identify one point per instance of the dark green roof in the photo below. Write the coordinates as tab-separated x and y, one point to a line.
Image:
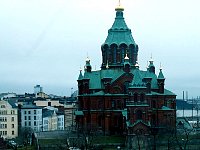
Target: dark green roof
119	32
96	77
161	76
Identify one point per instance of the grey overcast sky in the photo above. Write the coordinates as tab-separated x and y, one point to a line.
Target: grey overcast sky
46	41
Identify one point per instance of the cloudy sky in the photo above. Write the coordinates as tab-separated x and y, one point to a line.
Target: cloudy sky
46	41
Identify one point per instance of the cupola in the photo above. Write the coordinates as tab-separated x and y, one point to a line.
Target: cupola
119	42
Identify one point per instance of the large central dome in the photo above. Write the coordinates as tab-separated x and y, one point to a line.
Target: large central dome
119	42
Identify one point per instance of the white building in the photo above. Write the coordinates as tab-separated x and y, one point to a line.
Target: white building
8	120
31	116
52	120
61	121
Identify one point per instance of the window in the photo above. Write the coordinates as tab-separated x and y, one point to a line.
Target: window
35	123
6	126
13	132
5	132
49	103
113	104
34	117
29	112
34	111
24	112
29	117
13	125
29	123
135	97
25	118
12	112
139	115
3	106
153	104
25	124
100	121
142	97
12	119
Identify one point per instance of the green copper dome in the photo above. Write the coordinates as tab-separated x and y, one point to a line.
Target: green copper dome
119	32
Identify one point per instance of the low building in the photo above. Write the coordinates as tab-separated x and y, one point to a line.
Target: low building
69	111
47	102
52	120
8	120
31	116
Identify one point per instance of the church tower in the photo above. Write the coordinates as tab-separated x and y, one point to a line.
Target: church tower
118	43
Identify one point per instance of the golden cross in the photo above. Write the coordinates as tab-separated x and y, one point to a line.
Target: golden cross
119	2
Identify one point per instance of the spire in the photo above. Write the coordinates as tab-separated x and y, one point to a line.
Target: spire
80	75
151	59
161	76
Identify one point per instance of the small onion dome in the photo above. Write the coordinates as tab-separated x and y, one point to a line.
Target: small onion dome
151	60
87	59
107	65
137	65
126	58
119	7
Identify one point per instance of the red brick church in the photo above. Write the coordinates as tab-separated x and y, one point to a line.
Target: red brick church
120	98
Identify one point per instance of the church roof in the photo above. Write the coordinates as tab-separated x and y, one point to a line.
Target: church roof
119	32
96	77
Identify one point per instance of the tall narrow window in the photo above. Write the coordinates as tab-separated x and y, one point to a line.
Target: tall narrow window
114	55
153	104
142	97
122	54
139	115
135	97
100	121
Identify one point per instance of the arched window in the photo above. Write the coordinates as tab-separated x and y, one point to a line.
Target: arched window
153	104
142	97
114	55
123	51
139	115
100	121
135	97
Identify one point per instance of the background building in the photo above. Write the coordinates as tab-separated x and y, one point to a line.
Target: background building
31	117
8	120
37	89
